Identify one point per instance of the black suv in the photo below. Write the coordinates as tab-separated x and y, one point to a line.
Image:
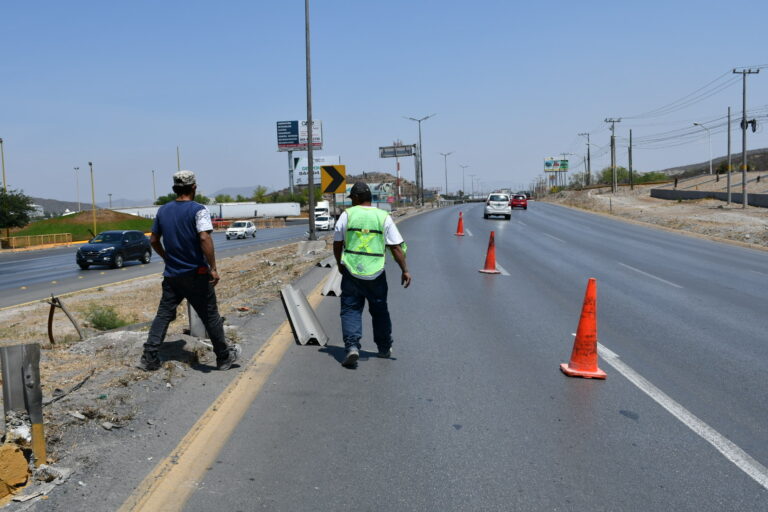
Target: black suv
113	248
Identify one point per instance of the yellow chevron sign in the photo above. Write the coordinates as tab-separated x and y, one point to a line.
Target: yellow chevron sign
333	179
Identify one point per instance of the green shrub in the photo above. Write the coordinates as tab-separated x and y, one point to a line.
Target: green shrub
104	318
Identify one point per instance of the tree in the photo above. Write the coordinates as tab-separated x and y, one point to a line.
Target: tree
166	199
15	209
200	198
224	198
259	193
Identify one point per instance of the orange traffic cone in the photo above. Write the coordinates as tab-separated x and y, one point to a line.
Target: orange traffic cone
584	356
490	258
460	227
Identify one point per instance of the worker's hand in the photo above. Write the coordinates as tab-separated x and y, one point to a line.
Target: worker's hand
214	277
405	279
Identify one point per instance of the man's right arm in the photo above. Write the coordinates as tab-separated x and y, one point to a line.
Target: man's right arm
154	241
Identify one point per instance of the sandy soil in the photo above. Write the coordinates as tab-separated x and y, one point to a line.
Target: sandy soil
702	217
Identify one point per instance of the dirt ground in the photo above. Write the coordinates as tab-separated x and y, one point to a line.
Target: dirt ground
74	371
709	218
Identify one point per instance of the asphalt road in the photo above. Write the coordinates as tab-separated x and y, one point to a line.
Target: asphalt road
472	413
35	275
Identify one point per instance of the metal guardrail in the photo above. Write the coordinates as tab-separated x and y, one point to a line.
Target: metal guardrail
304	321
332	284
17	242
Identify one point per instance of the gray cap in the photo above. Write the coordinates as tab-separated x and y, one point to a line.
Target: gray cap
184	178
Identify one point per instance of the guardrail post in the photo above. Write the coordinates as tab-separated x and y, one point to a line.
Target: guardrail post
22	391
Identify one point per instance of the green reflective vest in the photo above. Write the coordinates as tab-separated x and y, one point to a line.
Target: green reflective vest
364	241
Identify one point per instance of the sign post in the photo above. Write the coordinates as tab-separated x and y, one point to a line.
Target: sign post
397	151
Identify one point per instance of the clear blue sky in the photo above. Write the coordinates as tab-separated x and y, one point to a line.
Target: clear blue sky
123	83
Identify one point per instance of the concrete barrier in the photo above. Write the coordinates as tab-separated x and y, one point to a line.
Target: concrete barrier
759	200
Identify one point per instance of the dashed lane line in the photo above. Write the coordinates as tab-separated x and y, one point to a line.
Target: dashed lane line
468	232
554	237
646	274
726	447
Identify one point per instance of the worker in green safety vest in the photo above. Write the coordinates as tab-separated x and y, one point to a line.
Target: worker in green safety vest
361	236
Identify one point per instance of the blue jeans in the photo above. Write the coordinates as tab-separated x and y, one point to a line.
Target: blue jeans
354	293
200	294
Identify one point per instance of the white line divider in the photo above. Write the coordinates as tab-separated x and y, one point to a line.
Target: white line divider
646	274
502	270
726	447
554	237
468	232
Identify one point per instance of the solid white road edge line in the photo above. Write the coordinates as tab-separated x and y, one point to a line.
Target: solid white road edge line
468	232
646	274
727	448
501	269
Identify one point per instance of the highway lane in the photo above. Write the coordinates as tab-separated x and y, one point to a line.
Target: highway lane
473	414
34	275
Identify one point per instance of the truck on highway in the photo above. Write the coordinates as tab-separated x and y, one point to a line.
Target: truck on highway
253	210
322	208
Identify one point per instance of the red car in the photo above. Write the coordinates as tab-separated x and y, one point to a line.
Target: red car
519	201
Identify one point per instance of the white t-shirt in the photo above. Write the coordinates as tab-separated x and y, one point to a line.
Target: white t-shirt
392	235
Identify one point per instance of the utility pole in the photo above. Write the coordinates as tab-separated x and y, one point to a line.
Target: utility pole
631	178
110	199
420	174
614	181
744	123
77	186
728	168
178	159
589	161
310	155
472	178
445	161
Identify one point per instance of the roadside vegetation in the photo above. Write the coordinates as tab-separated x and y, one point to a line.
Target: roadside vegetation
80	224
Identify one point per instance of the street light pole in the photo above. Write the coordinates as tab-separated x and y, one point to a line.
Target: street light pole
472	178
709	139
93	199
5	191
463	184
445	162
77	187
310	155
110	199
420	175
154	192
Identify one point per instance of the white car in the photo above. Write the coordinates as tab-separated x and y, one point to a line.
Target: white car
498	204
324	223
241	229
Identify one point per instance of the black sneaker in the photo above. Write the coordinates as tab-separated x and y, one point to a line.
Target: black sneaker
351	360
149	363
232	356
385	354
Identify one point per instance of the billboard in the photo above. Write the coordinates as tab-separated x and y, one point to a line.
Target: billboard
397	151
301	170
293	135
554	165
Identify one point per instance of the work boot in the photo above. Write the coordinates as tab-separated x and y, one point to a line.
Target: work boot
149	362
233	354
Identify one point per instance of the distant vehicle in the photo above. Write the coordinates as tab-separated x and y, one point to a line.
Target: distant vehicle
253	210
241	229
324	223
498	204
519	201
322	208
114	248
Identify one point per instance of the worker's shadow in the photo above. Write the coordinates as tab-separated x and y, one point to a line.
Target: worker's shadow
185	353
340	353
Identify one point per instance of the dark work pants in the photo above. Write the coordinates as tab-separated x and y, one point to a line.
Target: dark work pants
354	293
200	294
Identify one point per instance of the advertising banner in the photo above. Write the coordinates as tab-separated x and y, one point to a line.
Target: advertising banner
301	171
293	135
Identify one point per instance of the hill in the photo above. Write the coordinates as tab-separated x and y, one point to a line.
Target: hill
757	159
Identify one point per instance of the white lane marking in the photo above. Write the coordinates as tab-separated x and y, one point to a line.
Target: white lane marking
554	237
522	223
726	447
646	274
501	269
761	273
468	232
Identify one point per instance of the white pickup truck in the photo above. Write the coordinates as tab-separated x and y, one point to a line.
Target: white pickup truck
241	229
